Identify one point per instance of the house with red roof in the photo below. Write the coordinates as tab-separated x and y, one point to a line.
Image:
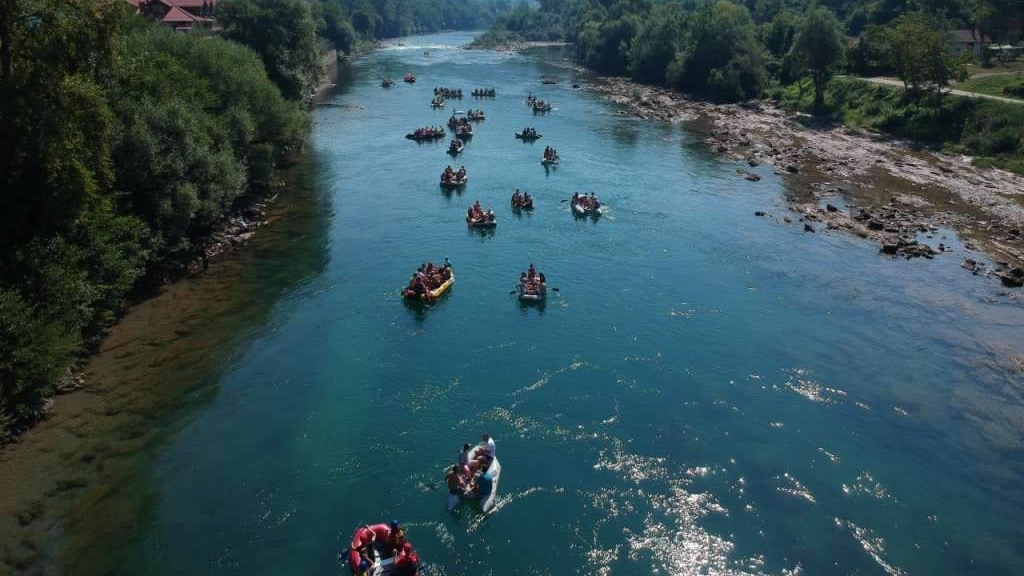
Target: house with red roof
182	15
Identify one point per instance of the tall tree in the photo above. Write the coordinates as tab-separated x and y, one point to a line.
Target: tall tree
721	57
283	33
819	48
919	54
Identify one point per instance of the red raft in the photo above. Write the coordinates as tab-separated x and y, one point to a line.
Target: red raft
381	549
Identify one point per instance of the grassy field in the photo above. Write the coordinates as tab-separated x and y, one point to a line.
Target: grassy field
991	131
996	67
995	85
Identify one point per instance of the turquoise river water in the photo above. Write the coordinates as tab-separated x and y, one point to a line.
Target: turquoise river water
708	393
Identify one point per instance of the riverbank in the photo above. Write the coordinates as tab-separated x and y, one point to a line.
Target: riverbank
516	46
84	456
97	420
892	193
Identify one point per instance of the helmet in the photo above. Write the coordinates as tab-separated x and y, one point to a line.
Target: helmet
393	524
364	565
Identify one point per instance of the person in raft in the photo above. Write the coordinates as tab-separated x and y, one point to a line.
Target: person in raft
456	485
360	552
463	461
467	477
407	563
483	457
388	538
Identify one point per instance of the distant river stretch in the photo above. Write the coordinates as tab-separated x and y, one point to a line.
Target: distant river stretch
708	392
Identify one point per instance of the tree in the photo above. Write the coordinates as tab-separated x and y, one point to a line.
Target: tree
778	34
33	353
819	48
283	34
721	57
919	54
656	43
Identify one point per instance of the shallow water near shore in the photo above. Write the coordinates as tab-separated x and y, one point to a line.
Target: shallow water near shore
708	392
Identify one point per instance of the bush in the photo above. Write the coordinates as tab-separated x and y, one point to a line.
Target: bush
33	353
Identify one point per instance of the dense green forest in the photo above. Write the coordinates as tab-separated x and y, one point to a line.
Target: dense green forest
792	49
123	144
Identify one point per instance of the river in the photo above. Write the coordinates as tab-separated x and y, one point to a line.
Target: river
708	393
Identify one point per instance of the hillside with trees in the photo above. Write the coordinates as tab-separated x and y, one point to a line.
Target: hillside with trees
124	144
727	51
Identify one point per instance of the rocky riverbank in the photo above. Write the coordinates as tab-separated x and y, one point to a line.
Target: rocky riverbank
848	181
516	46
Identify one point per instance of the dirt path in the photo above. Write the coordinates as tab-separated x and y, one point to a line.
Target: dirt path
964	93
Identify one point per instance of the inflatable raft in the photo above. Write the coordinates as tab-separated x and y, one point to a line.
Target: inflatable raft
551	161
455	182
434	294
486	500
581	210
425	137
484	222
372	541
533	136
456	149
527	295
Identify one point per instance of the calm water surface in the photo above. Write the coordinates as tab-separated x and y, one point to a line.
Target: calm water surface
709	393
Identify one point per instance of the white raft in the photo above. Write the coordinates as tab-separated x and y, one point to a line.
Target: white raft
581	210
487	501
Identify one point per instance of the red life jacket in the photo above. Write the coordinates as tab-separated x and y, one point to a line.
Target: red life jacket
361	538
382	531
406	565
353	561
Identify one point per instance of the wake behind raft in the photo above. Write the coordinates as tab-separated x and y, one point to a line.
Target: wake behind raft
381	550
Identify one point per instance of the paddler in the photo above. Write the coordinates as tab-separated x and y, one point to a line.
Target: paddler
456	484
407	562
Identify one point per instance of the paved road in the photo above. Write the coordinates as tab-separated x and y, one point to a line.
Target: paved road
899	84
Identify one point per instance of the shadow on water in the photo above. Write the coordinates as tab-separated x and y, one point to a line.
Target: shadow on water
421	309
525	306
484	233
92	460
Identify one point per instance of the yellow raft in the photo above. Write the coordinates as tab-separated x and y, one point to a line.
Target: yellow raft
434	294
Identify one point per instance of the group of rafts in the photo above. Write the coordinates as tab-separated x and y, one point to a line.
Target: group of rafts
430	282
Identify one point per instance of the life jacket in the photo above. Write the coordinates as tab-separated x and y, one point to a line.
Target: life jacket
407	564
361	538
382	531
353	561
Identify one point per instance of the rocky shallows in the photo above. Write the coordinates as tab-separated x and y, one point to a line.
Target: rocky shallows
851	181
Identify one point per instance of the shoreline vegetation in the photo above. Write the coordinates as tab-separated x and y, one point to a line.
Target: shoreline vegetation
762	78
158	151
806	57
